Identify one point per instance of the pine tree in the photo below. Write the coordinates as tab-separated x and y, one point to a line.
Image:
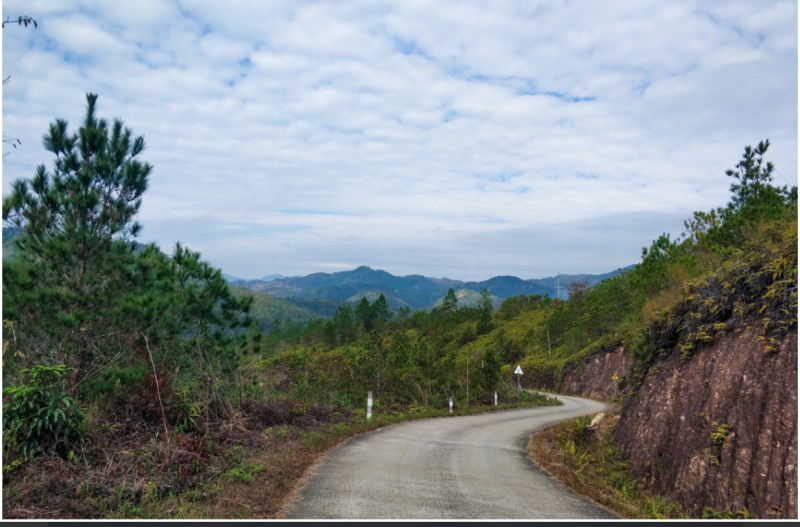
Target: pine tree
380	309
80	215
490	372
754	200
342	328
449	302
82	292
485	317
365	314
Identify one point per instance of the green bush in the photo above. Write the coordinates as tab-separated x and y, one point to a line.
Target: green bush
37	414
114	381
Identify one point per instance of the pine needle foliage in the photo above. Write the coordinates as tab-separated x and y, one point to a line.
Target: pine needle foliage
85	296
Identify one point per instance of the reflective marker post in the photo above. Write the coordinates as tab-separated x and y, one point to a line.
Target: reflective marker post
495	398
451	404
369	405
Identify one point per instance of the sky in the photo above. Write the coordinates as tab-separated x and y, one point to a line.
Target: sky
449	139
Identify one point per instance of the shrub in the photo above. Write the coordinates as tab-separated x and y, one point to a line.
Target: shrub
37	414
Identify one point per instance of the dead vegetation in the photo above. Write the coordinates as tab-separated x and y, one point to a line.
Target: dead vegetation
126	467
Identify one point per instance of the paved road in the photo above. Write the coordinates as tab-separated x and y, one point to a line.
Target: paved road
461	467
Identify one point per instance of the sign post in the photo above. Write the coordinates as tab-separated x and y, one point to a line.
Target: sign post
369	405
615	379
518	373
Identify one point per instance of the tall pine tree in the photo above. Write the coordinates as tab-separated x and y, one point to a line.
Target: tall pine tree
82	292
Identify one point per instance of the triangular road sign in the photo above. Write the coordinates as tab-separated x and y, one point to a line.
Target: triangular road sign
518	371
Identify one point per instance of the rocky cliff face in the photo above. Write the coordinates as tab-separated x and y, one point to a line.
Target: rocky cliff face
596	376
719	431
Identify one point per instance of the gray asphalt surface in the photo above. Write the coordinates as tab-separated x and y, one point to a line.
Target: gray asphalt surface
446	468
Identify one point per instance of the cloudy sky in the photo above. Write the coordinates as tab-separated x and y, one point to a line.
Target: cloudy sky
463	139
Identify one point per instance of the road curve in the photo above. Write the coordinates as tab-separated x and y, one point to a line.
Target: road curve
446	468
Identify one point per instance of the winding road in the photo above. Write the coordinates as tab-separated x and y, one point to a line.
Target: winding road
446	468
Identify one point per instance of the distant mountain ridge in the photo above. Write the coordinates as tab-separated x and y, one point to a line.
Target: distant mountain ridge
233	279
321	293
412	291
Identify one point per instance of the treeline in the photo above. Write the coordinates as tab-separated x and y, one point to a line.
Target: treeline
404	358
733	267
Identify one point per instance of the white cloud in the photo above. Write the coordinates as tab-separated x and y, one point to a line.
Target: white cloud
415	124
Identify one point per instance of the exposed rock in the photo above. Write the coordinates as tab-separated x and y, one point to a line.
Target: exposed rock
595	379
596	420
719	431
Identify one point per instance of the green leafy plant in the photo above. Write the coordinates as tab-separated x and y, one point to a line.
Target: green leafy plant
719	432
343	399
37	413
243	473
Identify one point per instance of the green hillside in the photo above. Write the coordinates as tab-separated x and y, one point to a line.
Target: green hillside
266	308
413	292
470	298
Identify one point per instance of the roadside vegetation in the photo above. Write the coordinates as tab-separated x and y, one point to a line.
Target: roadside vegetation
139	384
584	458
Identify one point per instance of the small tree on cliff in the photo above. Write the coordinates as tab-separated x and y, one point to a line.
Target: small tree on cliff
754	199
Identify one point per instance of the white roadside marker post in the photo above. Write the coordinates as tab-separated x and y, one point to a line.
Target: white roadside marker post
495	398
451	404
369	405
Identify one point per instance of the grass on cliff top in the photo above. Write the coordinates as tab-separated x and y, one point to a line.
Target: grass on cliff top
586	459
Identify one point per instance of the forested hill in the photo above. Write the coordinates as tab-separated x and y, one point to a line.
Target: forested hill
413	291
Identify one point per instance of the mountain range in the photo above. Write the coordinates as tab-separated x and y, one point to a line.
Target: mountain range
413	291
319	294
